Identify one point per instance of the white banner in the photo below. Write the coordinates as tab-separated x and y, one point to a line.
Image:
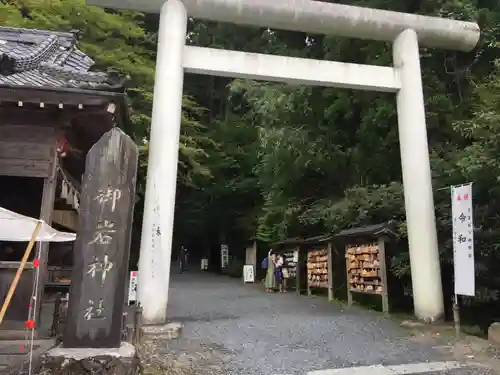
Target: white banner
463	239
132	287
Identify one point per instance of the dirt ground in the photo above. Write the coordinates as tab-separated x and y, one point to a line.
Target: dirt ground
236	329
469	349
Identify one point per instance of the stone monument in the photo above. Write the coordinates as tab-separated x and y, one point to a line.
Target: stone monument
92	338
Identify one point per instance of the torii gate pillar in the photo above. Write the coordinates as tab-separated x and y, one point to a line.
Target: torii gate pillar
406	31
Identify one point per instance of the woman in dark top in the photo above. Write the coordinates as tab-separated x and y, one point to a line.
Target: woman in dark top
279	262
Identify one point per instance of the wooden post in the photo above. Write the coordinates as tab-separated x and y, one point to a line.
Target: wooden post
56	316
309	291
349	293
297	272
330	273
456	316
101	254
42	248
383	275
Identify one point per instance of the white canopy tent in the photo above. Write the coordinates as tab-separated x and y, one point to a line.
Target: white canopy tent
17	227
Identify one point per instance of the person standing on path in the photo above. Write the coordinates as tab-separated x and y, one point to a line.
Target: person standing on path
270	282
183	255
278	271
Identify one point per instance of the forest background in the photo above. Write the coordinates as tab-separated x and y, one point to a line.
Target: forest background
273	161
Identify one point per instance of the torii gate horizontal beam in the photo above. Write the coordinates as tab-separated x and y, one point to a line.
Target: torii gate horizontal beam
321	18
291	70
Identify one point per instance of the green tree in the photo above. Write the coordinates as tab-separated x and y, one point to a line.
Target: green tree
116	41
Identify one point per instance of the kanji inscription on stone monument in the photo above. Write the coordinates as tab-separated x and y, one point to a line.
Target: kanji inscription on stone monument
101	253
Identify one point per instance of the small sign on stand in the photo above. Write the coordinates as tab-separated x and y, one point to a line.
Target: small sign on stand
132	288
463	246
248	274
224	254
204	264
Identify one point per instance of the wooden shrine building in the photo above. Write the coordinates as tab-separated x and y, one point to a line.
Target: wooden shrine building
52	110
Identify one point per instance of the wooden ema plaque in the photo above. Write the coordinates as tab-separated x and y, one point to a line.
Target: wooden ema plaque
366	272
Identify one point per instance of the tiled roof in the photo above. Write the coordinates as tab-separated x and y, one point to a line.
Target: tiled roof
370	230
49	59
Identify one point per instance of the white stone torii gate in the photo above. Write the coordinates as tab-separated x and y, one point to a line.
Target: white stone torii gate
174	58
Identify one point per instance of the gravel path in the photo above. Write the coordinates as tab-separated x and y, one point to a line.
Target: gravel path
231	328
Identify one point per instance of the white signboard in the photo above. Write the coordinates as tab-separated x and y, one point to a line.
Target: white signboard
132	287
248	273
204	264
224	255
463	239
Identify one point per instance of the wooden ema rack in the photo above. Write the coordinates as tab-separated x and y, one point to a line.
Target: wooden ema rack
292	265
289	258
319	269
366	271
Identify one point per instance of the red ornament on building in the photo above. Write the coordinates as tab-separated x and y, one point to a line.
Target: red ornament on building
62	145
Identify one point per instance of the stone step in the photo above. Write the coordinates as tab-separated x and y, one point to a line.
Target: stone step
427	368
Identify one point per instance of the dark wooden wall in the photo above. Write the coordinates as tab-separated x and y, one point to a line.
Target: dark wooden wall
27	144
25	150
61	254
18	308
21	194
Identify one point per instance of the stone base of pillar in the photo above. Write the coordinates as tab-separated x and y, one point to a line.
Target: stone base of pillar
494	334
167	331
83	361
